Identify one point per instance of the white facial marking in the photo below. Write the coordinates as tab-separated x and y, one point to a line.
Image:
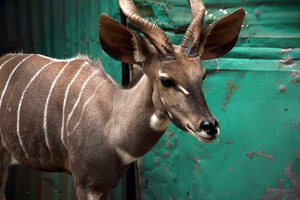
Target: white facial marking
126	157
183	90
161	74
163	101
158	124
65	102
83	108
218	131
78	99
170	115
201	133
21	101
200	136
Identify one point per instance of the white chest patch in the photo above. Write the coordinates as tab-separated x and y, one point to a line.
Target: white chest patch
158	124
13	161
92	196
126	157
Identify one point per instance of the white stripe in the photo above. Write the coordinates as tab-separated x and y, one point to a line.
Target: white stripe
4	90
112	80
65	101
20	105
183	90
47	103
0	69
2	139
163	101
8	80
85	104
1	58
7	61
170	114
79	97
55	59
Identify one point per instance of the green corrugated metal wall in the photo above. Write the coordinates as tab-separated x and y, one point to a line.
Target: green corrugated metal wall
56	28
254	91
59	29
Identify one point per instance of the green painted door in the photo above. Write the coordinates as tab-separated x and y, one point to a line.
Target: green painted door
254	91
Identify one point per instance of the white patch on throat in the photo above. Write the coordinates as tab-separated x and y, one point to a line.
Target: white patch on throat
92	196
158	123
13	161
183	90
126	157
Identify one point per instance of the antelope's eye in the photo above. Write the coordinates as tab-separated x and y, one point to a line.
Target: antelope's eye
166	82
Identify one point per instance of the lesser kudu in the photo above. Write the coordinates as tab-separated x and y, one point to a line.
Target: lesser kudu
70	116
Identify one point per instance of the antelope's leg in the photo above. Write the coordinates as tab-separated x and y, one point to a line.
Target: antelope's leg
4	166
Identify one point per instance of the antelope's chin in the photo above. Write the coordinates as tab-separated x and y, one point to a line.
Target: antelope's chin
201	136
206	140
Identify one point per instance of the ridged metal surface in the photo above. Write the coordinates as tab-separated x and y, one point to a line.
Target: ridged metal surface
60	29
254	91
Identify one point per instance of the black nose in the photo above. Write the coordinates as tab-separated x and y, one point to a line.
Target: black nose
210	127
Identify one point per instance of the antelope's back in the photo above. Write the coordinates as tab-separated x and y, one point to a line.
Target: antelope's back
41	101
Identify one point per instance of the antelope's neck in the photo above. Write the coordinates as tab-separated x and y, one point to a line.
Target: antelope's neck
139	125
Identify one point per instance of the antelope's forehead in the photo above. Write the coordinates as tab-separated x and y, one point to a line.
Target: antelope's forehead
190	68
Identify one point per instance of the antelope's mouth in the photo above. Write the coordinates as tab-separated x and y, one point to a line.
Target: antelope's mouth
202	136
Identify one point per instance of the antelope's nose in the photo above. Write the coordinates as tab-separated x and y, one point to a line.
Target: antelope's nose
210	127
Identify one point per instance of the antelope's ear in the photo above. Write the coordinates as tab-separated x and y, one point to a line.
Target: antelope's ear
120	42
222	36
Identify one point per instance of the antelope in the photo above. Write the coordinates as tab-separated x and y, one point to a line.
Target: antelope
70	116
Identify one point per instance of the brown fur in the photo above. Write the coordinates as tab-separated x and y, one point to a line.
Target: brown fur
98	128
